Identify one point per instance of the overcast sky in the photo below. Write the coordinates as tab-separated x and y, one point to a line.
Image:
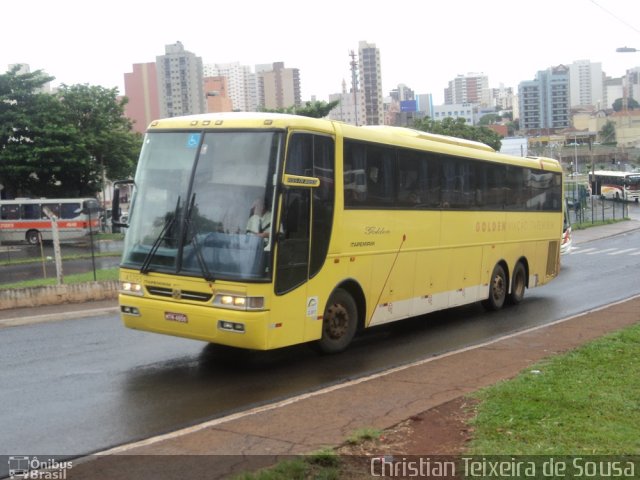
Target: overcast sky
423	43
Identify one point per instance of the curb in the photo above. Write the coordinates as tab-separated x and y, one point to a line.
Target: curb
57	294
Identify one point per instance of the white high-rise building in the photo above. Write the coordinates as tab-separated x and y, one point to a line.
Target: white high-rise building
180	82
242	88
586	84
470	88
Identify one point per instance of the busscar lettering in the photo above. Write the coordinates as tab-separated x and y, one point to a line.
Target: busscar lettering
363	244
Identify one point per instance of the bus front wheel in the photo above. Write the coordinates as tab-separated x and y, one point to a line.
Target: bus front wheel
339	323
497	289
32	237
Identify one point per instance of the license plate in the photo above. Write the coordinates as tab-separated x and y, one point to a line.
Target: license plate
176	317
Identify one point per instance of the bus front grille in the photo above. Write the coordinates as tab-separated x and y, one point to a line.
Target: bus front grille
180	294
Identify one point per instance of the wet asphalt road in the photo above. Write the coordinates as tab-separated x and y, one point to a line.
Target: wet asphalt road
80	386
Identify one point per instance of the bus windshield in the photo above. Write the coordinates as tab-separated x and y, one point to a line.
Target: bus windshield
202	204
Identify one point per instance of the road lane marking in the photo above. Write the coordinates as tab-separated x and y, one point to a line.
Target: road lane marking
602	251
575	250
620	252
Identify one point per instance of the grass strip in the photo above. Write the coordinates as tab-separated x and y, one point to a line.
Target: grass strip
102	275
585	402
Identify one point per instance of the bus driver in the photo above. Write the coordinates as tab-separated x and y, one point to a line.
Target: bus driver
259	222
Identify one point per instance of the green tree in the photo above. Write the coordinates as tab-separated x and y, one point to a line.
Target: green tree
315	109
632	104
489	119
33	136
105	133
457	127
57	145
608	132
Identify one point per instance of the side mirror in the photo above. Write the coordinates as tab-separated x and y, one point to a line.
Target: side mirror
115	203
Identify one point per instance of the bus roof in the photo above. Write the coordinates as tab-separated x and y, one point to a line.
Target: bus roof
410	132
379	133
616	173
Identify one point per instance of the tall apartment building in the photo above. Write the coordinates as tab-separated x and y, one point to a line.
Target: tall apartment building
278	87
544	102
370	73
633	83
241	84
424	104
586	84
23	69
470	88
141	88
180	82
613	89
502	97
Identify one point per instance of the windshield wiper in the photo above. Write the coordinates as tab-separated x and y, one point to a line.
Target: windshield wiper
190	230
156	244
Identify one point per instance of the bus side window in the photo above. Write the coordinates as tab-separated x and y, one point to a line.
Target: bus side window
300	155
53	207
409	191
9	212
31	211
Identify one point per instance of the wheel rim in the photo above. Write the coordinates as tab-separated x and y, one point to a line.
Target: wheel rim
498	288
337	323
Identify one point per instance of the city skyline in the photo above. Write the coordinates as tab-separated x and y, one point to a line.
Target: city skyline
420	47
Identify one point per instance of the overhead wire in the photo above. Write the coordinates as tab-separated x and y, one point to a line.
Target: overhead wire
621	20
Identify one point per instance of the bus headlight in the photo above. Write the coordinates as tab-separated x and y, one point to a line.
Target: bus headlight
131	288
238	302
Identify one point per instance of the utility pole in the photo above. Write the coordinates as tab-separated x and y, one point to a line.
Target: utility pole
56	243
354	83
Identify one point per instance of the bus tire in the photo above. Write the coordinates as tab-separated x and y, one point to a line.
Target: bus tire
32	237
518	284
497	289
339	322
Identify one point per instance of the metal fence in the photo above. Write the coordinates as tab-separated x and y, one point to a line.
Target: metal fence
596	210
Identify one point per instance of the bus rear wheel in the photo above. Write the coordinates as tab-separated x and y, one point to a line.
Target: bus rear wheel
339	323
518	284
32	237
497	289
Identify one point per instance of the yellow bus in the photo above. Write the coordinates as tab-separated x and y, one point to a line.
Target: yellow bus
261	230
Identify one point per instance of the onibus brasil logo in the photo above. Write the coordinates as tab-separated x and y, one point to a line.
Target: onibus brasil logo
34	468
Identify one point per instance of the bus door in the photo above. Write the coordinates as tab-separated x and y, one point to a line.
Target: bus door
303	233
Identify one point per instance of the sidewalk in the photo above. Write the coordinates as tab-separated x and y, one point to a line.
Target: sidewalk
603	231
